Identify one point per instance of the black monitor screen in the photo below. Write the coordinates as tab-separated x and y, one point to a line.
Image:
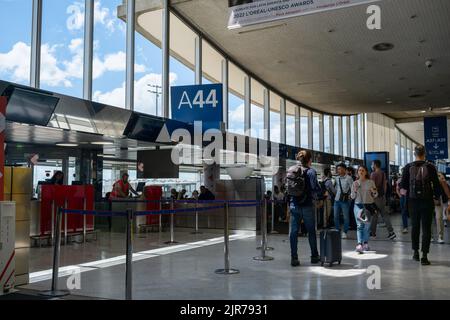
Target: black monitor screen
27	106
156	164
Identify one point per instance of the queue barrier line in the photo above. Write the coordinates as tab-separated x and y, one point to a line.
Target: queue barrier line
178	201
130	215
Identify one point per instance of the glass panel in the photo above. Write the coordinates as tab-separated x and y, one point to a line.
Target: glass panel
62	47
109	62
212	64
326	134
337	142
316	131
304	124
236	99
257	111
345	136
290	123
396	154
275	117
360	136
182	51
15	46
352	137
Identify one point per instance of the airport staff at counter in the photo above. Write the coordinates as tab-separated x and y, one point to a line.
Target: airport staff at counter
57	179
122	188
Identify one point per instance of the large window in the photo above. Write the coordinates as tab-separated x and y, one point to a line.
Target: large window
15	23
345	136
109	62
353	137
257	112
290	123
360	136
62	47
211	64
316	131
304	128
236	99
275	117
327	136
337	142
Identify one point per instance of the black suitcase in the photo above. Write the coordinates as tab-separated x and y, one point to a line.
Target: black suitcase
330	247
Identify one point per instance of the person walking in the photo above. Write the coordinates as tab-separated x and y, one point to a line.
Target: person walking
379	177
403	205
303	188
330	193
364	192
342	200
421	182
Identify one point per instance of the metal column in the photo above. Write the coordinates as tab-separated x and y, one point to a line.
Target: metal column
88	49
310	130
225	91
166	58
36	39
247	104
321	133
283	121
266	115
297	127
198	60
131	19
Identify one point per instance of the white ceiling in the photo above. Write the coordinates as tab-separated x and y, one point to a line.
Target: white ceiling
338	71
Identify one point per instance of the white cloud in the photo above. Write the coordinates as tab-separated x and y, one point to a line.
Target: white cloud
113	62
144	101
16	63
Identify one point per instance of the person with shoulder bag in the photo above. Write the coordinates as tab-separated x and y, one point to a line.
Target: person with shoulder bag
342	199
302	189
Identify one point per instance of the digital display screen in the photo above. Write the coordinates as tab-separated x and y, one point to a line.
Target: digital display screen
156	164
31	107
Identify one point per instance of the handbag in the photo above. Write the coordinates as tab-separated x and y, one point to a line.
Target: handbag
343	196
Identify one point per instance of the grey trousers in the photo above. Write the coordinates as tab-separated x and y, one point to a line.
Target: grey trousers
380	202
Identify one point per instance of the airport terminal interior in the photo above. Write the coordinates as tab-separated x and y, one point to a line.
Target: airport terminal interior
183	150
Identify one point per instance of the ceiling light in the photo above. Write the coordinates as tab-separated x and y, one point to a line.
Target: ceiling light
67	144
389	101
423	111
383	46
102	143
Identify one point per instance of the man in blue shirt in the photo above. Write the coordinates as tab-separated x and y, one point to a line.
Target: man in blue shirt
304	210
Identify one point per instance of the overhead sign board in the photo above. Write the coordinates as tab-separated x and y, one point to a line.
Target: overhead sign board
249	12
198	103
436	138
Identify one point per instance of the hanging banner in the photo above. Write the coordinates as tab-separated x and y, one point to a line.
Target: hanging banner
436	138
248	12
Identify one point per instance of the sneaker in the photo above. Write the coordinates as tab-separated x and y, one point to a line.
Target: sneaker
416	256
315	259
424	261
366	247
440	241
405	230
343	235
359	248
392	236
295	262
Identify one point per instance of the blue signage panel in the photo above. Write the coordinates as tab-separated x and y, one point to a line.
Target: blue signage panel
198	103
436	139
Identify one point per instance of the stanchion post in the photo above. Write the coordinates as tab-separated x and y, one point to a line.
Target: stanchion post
84	221
264	228
129	256
263	247
172	222
273	217
160	216
54	292
226	232
65	223
53	222
196	219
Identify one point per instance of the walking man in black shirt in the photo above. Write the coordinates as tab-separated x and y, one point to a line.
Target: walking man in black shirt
420	180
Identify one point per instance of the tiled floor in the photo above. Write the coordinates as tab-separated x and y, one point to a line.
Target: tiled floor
187	271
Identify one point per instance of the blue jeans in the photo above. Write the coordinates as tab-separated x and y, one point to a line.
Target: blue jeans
363	229
307	215
404	209
343	206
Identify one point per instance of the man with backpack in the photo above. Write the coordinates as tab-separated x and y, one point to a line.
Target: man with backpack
421	182
379	177
302	187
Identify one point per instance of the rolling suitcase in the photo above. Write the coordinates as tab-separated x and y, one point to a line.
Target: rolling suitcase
330	247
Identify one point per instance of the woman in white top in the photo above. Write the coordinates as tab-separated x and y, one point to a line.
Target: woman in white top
363	191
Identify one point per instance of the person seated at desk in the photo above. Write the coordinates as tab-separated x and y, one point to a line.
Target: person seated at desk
57	179
206	194
122	188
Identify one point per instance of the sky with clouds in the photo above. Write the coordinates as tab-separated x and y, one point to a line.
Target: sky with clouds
62	60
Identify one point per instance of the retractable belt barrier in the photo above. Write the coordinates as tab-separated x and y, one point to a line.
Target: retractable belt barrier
130	215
